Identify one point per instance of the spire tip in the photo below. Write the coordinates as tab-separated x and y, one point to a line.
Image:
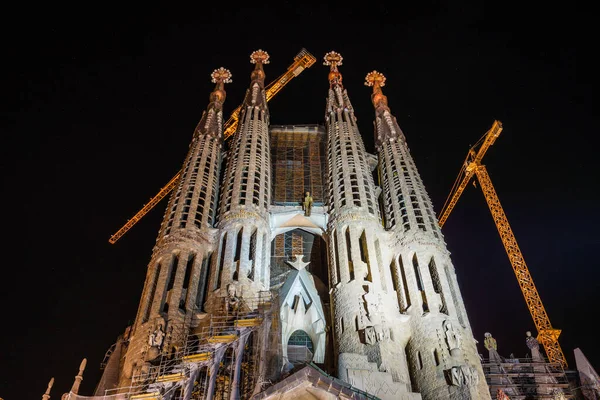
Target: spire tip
333	59
221	75
259	56
375	78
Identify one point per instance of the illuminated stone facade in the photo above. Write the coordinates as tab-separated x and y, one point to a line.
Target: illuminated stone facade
242	276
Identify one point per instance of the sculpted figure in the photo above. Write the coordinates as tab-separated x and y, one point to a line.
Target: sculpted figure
451	335
232	302
534	346
307	204
490	343
156	338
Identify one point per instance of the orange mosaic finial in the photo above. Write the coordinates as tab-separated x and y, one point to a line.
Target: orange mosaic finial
220	76
377	80
259	56
333	59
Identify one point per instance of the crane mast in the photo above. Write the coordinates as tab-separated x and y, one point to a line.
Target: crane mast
547	335
302	60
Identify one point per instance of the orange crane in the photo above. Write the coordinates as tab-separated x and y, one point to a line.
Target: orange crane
547	335
302	60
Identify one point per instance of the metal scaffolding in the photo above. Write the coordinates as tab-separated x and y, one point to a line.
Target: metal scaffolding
218	358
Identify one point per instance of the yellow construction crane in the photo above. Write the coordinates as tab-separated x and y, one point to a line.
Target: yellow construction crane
547	335
302	61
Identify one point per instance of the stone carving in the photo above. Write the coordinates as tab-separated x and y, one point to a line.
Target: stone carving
370	336
307	204
156	338
534	346
232	301
452	338
463	375
242	214
370	320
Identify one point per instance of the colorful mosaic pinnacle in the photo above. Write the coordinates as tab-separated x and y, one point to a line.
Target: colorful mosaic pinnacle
259	56
221	75
375	78
334	59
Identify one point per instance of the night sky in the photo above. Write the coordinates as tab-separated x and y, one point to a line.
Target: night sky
100	106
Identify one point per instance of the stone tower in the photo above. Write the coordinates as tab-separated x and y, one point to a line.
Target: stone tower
240	266
175	283
440	350
369	331
254	291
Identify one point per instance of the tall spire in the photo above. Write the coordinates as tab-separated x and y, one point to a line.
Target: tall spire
46	395
177	271
386	127
79	377
210	123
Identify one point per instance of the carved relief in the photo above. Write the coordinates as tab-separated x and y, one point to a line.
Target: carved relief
462	375
452	338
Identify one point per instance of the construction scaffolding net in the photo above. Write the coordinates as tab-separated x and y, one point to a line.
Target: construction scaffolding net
297	156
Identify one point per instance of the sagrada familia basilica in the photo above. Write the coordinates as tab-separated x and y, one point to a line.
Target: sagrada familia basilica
292	264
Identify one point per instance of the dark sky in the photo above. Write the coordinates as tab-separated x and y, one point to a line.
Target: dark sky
100	106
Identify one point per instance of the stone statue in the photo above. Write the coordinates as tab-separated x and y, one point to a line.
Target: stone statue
490	343
451	335
307	204
232	303
156	338
534	346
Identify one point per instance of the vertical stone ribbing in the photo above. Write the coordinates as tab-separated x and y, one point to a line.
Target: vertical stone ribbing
245	199
441	350
185	239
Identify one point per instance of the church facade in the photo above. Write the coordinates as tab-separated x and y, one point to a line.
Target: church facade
291	263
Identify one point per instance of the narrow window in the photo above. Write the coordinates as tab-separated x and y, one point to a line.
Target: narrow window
454	296
437	285
364	255
436	357
172	274
237	254
152	292
420	283
186	280
336	259
348	244
404	282
202	282
221	263
173	271
252	254
419	360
